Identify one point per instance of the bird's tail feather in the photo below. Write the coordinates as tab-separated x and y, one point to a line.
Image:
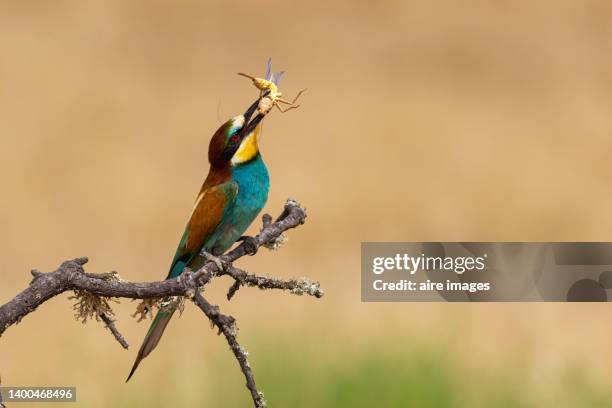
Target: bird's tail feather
152	338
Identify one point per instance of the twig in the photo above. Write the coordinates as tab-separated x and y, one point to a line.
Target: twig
227	326
71	276
233	289
298	287
110	324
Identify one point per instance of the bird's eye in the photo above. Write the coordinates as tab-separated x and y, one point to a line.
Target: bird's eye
234	139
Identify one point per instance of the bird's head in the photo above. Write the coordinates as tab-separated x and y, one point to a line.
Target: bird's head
235	142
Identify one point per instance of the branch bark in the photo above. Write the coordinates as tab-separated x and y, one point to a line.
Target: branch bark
110	324
227	326
71	276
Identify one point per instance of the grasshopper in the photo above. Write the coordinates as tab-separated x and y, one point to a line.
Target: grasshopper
270	96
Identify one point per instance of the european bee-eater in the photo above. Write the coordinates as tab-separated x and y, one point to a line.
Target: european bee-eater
232	195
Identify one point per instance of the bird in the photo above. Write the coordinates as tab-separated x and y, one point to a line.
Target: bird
231	197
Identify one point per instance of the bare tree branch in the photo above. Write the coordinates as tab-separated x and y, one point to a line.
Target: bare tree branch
298	287
227	326
110	324
93	291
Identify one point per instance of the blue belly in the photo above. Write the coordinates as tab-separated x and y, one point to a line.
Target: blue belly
253	186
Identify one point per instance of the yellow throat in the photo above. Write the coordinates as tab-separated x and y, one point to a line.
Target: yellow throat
248	148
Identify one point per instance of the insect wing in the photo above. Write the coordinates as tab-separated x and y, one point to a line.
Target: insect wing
277	77
269	69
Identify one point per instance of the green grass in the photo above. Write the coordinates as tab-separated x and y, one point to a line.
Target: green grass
369	381
423	378
413	376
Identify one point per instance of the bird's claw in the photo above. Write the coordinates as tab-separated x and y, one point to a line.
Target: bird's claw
217	261
250	244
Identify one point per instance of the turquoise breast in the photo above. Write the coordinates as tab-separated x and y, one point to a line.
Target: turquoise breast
253	185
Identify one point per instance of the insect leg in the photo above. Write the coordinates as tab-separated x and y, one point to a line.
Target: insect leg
288	108
294	99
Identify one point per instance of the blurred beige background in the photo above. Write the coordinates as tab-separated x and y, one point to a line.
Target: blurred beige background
441	120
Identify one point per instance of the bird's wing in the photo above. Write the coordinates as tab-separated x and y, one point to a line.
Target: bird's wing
207	213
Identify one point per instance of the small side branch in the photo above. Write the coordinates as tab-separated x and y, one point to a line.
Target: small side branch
110	324
301	286
227	326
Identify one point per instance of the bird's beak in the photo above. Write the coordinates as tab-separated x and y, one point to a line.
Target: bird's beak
249	112
250	125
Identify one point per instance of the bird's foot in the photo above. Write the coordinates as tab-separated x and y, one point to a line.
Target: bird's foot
217	261
250	244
